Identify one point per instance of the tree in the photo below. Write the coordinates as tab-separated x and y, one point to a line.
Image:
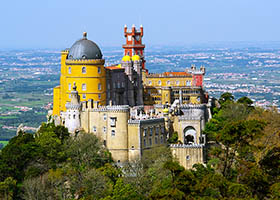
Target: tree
226	98
86	151
245	100
8	188
20	151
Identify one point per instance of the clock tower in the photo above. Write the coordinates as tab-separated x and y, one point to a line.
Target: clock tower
134	44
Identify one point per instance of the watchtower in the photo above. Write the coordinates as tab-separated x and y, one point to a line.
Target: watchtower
134	44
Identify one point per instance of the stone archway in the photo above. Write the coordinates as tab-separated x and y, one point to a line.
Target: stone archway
189	135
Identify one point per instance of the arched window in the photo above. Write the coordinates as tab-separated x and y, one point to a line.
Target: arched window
74	116
99	70
99	86
69	70
84	70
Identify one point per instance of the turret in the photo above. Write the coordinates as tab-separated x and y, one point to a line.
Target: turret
73	112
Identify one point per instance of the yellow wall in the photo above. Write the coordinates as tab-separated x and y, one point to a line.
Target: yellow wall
187	157
56	101
91	78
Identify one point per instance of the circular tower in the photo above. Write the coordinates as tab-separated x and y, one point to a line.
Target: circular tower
83	66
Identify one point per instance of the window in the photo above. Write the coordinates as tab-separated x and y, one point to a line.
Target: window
156	140
129	38
145	144
132	147
145	132
113	121
118	85
99	86
150	82
104	117
159	82
104	129
188	83
74	116
83	70
69	70
162	130
161	139
157	130
84	87
177	82
99	96
151	131
69	96
114	85
69	116
113	132
94	128
99	70
108	86
168	82
69	86
84	96
188	157
150	141
123	84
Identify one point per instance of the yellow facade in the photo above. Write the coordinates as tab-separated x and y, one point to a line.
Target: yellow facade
165	88
88	75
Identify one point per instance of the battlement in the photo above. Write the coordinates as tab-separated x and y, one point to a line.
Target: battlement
133	30
85	62
193	106
146	121
192	146
70	106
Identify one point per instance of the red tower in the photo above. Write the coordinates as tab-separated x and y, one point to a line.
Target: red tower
134	44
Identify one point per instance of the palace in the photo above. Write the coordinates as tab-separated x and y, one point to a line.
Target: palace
131	110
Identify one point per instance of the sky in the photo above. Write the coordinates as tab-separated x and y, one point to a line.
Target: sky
59	23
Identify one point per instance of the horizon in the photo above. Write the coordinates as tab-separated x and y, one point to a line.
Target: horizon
61	23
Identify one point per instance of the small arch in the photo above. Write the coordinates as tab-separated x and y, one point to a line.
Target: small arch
189	135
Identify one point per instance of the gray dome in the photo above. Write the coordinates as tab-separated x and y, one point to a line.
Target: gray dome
84	49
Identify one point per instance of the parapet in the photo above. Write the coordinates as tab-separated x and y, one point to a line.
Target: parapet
192	146
86	62
146	121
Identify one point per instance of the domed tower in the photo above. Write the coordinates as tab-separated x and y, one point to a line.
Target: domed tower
83	66
73	109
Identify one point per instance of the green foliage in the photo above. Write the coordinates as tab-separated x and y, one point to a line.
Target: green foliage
8	188
226	98
86	151
243	163
20	151
173	139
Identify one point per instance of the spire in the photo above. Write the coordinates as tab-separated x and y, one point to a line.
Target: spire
85	35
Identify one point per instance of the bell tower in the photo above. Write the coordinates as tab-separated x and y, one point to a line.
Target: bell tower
134	44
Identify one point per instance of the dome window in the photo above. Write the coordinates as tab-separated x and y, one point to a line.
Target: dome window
84	57
84	70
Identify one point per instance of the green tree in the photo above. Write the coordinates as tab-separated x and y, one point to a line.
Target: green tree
86	151
8	188
226	98
20	151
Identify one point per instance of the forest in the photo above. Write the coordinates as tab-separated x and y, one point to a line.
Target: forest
243	152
